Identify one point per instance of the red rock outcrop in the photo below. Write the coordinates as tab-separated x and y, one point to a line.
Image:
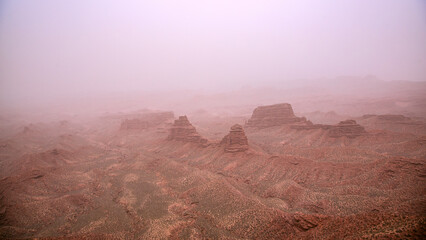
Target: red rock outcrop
236	140
273	115
348	128
394	123
147	120
182	130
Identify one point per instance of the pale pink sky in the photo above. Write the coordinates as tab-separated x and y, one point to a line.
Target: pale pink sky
57	47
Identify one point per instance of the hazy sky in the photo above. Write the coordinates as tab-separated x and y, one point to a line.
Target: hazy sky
51	48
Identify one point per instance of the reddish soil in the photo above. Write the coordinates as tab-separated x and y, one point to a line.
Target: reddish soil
91	180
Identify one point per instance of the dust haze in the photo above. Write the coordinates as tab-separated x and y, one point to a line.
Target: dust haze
64	51
212	119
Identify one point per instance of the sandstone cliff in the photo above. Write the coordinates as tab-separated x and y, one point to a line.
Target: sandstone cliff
273	115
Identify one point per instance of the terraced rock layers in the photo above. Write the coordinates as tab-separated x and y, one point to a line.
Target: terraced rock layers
236	140
273	115
348	128
182	130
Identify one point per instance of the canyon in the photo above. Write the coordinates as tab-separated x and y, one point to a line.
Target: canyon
150	176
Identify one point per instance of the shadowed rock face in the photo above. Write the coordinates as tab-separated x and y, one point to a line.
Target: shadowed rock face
348	128
182	130
236	140
273	115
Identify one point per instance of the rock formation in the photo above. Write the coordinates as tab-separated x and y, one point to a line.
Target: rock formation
147	120
348	128
236	140
273	115
394	123
389	117
182	130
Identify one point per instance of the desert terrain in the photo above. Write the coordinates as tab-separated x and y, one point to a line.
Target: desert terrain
234	120
236	171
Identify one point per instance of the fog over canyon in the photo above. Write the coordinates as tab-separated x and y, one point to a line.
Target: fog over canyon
213	119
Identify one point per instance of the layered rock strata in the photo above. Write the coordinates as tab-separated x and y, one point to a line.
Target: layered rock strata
182	130
236	140
273	115
348	128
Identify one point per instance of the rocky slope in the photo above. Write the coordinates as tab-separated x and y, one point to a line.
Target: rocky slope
97	182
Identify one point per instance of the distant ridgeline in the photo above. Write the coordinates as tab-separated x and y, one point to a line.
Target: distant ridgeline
282	115
263	117
147	120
